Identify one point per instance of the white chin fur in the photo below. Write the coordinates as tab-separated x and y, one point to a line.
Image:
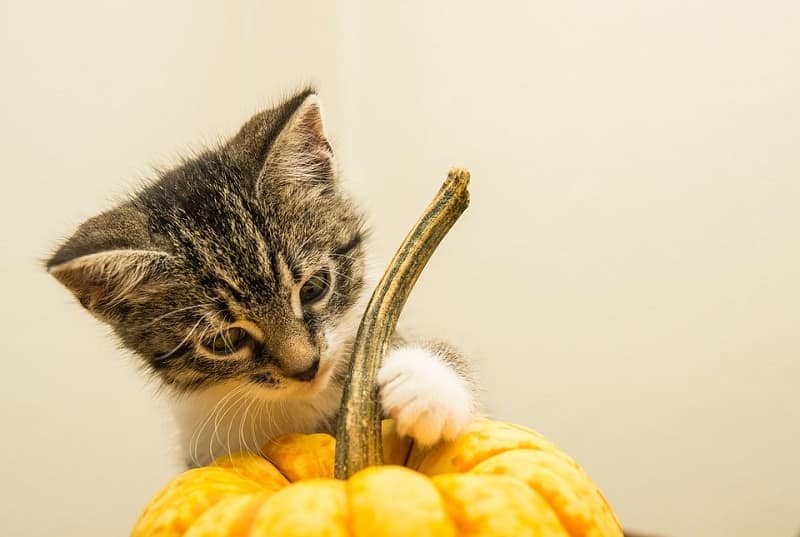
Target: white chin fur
234	417
428	400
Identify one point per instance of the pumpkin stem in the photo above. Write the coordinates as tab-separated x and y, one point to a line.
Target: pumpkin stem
358	432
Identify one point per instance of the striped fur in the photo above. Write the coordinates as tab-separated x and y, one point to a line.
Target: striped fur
227	239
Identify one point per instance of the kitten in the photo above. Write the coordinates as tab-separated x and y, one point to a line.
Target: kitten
238	278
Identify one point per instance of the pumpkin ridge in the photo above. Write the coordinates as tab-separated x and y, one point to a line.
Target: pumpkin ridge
394	501
250	514
453	510
286	477
490	505
310	507
348	521
566	522
579	505
301	456
241	511
241	465
199	490
467	451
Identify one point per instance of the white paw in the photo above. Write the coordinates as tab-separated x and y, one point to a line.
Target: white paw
425	397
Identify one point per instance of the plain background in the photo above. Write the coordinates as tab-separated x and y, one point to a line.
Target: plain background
626	277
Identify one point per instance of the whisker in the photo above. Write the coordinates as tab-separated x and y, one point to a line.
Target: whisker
256	417
195	440
179	345
346	256
343	276
218	420
243	444
173	312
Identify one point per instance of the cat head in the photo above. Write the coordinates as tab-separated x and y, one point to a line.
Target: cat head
244	264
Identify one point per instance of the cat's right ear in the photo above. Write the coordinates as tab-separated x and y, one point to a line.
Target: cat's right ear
108	261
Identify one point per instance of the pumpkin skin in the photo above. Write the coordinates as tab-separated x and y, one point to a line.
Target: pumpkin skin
496	479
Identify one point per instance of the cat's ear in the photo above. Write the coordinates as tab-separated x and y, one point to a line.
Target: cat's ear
301	152
287	143
108	259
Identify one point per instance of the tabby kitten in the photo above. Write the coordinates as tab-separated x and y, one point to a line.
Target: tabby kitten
238	278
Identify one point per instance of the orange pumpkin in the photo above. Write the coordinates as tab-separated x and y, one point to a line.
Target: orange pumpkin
496	479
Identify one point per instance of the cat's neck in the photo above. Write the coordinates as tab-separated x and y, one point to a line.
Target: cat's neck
229	418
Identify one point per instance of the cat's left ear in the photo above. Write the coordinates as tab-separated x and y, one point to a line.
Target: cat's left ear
301	151
285	143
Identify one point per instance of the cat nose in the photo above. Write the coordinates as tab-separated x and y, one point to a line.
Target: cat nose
308	374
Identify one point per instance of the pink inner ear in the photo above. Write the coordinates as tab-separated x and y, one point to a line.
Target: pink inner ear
312	121
87	290
301	154
310	127
106	277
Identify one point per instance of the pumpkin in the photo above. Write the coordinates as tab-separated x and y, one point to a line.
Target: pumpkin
496	479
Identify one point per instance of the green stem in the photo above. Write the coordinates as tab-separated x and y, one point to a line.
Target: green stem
358	433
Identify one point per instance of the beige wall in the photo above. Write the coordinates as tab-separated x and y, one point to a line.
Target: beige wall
94	95
626	277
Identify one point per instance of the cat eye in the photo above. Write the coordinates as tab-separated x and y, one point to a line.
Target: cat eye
315	287
228	341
